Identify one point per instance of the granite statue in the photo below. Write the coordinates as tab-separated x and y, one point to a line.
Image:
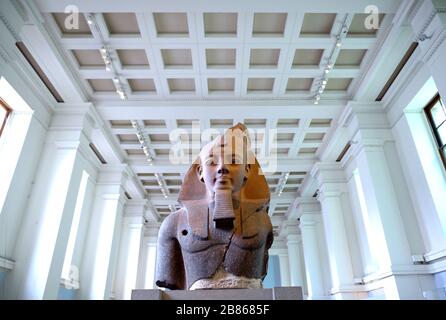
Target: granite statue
221	235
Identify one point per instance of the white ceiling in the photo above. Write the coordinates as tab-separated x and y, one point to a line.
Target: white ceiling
257	62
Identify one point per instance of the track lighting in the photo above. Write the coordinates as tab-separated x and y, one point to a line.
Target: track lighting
90	18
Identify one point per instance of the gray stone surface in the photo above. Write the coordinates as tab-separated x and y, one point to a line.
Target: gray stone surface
278	293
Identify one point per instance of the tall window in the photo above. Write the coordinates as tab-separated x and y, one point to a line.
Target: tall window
436	114
4	114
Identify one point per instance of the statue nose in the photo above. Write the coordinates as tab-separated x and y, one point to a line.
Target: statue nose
222	169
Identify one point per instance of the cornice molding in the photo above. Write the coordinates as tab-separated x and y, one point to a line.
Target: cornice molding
9	26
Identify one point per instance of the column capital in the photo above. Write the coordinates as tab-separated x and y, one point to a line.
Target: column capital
328	173
331	191
136	207
134	211
307	205
307	221
370	118
290	231
293	238
151	230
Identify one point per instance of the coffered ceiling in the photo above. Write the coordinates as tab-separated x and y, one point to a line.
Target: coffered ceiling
185	64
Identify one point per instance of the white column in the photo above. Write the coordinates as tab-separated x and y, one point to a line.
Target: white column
147	257
100	256
330	177
430	20
149	279
284	269
41	246
310	217
388	214
126	273
293	243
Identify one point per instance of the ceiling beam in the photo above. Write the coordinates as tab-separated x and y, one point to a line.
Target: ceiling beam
322	6
141	166
220	109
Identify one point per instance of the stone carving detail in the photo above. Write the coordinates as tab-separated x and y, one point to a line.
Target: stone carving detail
221	235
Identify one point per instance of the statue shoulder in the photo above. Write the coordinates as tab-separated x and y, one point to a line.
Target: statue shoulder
169	226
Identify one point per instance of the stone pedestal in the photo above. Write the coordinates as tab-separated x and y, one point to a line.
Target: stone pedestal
278	293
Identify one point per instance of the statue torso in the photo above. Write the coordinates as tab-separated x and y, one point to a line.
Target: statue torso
241	251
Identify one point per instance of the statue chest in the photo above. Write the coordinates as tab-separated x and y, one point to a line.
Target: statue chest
249	234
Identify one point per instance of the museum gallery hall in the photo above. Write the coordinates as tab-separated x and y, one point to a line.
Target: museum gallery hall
105	105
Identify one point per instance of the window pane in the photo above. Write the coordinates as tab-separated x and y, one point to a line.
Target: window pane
438	114
442	134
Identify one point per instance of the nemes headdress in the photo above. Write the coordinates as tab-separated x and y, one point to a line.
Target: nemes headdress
255	193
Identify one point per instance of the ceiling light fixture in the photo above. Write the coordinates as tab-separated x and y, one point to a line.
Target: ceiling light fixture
90	18
330	62
106	55
141	135
162	185
282	184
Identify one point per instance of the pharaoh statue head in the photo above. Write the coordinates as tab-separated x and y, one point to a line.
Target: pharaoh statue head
221	235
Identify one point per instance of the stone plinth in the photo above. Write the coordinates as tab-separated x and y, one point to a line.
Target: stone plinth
278	293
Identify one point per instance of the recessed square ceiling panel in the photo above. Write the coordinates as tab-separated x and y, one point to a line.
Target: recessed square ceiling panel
217	58
176	85
102	85
133	152
285	137
317	23
320	123
154	123
120	123
127	138
162	152
220	24
255	122
307	57
187	123
88	58
264	58
280	151
133	58
159	138
288	122
82	30
350	57
305	151
269	24
177	58
299	84
359	25
314	137
121	23
172	24
260	84
142	85
221	84
221	122
338	84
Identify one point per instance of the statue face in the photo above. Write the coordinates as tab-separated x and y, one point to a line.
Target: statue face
222	168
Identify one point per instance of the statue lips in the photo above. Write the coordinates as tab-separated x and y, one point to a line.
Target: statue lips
223	180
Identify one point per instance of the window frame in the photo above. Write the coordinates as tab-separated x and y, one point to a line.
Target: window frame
8	109
427	110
